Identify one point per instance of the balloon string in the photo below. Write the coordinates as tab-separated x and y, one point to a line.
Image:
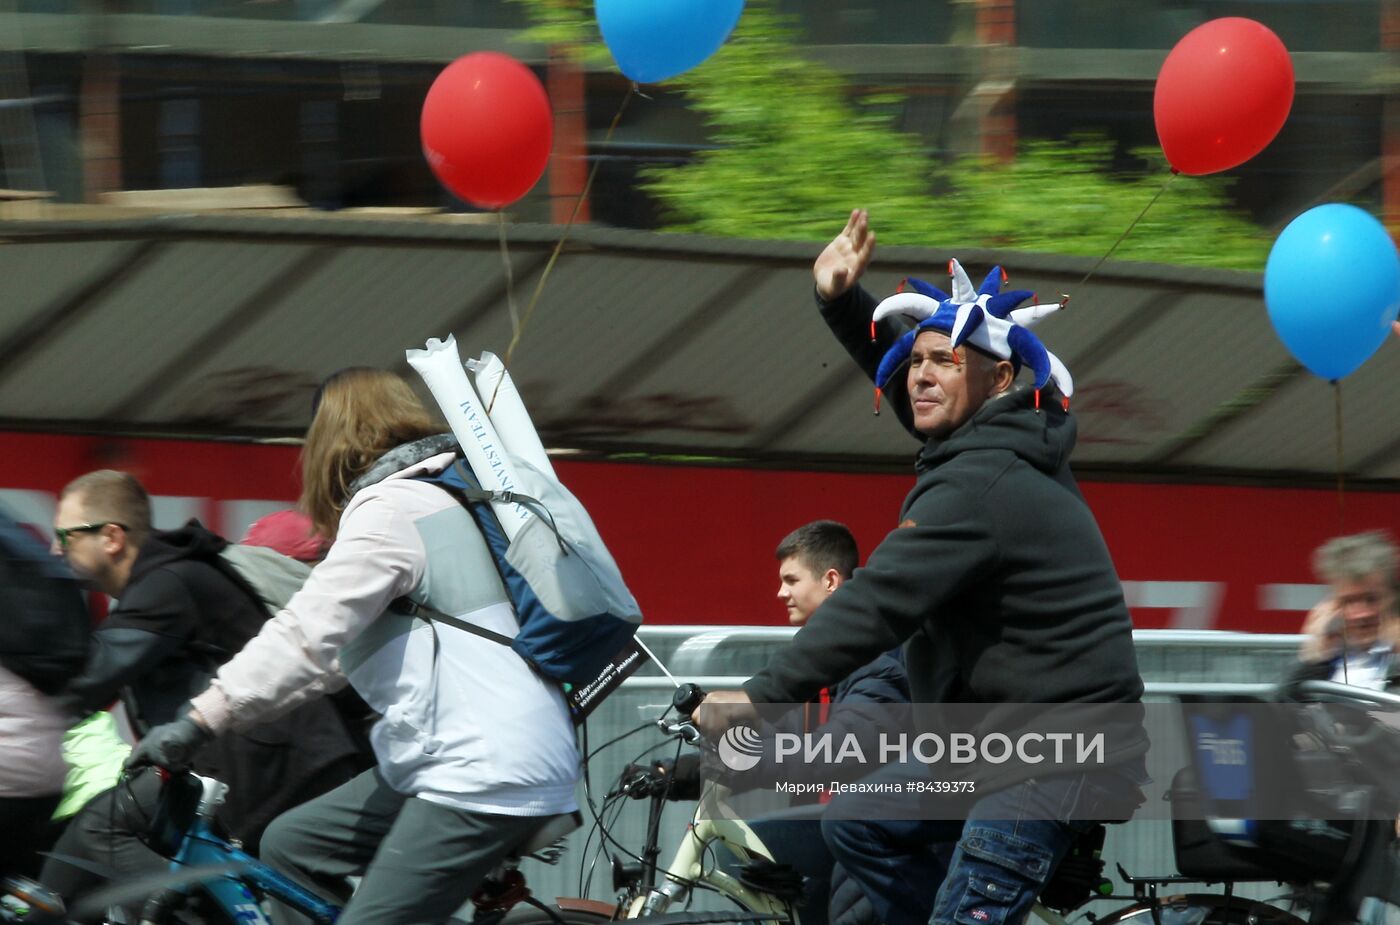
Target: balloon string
510	278
1102	260
1341	469
568	227
518	325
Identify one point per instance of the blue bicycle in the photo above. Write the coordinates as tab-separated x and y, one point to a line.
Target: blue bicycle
212	880
182	828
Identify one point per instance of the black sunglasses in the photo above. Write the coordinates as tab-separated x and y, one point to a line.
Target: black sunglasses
62	533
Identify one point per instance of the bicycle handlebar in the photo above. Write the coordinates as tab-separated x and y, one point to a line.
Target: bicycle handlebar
685	731
638	783
685	701
1347	693
687	698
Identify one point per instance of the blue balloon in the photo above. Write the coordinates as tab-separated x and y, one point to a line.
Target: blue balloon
654	40
1332	285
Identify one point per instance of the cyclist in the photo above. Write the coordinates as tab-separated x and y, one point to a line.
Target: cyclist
999	585
475	750
813	561
177	617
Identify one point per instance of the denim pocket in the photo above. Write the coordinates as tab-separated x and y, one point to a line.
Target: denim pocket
1003	874
988	900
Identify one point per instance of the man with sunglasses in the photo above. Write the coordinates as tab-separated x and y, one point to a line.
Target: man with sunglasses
177	617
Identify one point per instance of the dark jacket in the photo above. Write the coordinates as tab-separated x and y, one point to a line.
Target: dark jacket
1323	669
863	704
881	681
998	582
847	903
179	618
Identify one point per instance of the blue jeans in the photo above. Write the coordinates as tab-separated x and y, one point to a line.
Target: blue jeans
1002	855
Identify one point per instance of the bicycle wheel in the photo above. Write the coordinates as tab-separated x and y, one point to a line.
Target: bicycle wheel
1203	909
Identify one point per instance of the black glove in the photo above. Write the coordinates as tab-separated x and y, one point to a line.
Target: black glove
678	779
171	746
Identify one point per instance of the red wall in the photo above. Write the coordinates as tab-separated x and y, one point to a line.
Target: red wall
696	543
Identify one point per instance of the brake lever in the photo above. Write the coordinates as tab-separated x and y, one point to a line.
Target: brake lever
686	731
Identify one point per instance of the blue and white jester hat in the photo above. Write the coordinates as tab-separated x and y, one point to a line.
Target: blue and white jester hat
985	317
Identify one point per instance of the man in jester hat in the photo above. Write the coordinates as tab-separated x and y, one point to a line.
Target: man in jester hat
997	583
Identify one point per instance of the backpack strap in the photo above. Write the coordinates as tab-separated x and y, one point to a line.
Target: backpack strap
474	494
471	496
411	608
476	501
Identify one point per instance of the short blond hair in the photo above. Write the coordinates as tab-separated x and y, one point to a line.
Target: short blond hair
110	496
361	414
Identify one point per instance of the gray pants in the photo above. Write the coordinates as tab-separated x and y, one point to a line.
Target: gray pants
420	861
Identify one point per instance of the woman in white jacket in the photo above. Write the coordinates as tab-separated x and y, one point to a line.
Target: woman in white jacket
475	750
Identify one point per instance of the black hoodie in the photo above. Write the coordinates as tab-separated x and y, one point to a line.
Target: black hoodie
997	582
179	617
182	614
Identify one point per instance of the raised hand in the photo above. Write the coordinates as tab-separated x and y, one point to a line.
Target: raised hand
844	260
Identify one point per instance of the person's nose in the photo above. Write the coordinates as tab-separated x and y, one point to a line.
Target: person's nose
1361	610
922	372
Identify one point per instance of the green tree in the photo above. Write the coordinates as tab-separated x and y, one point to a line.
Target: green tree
566	25
1065	197
796	148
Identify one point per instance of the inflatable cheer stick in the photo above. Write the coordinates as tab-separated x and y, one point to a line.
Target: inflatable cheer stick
441	368
507	412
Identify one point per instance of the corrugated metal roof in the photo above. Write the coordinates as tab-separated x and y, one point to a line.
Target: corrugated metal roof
665	344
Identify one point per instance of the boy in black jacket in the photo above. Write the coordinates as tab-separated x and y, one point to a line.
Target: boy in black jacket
813	561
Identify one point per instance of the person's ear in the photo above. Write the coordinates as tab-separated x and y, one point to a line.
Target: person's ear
114	540
831	580
1003	374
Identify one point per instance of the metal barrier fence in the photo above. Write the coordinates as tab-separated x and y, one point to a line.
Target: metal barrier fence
720	657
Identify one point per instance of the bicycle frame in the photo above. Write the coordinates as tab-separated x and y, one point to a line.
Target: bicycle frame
643	897
688	866
201	846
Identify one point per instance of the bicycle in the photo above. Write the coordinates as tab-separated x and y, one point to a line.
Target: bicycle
646	891
691	868
216	879
1328	884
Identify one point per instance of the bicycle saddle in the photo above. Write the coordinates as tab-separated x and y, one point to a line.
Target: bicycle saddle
781	880
553	830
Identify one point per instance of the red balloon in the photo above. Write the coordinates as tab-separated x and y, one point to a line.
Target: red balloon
487	129
1222	95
